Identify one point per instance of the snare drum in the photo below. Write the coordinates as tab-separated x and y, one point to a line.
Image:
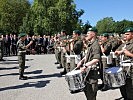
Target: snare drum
126	66
75	80
115	77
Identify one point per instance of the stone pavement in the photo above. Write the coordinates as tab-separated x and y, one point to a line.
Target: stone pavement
44	83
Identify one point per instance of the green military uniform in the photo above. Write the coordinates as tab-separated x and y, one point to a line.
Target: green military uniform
93	55
58	52
93	52
21	55
63	54
115	42
127	89
107	47
78	46
77	49
1	48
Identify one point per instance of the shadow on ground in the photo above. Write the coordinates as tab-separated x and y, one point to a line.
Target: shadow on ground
32	72
45	76
38	84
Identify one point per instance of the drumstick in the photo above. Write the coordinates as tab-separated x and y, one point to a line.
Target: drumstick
88	70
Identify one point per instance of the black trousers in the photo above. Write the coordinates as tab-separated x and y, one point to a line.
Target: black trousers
90	91
127	90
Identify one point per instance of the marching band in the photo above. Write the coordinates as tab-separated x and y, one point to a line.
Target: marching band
106	56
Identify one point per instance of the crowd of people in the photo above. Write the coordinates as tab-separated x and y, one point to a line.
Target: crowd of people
89	52
41	44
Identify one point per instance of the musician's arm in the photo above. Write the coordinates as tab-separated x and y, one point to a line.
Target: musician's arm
127	53
28	44
89	65
92	62
81	62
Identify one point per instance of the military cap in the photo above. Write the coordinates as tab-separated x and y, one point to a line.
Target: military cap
93	29
128	29
77	32
105	35
22	35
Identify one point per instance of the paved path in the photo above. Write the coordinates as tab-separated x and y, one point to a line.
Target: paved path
44	83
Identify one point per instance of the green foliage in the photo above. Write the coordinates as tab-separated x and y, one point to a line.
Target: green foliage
119	26
86	27
51	16
11	14
105	25
108	25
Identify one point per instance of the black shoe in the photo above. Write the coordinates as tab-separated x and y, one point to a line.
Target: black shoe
23	78
56	63
105	88
63	72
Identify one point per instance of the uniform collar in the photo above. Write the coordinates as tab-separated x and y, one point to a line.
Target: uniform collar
91	42
130	42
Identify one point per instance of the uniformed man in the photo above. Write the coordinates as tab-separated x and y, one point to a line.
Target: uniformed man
76	47
57	51
126	52
1	48
92	57
63	51
105	46
115	42
21	54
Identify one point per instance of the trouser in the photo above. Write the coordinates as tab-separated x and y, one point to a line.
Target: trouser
72	63
58	56
14	49
7	50
90	91
127	90
21	59
103	66
68	67
1	55
39	51
63	60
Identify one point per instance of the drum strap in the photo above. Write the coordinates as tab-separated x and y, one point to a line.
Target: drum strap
122	55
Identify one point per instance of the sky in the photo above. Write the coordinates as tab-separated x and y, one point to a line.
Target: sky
96	10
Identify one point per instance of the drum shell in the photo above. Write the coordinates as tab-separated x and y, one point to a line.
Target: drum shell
75	82
115	79
126	68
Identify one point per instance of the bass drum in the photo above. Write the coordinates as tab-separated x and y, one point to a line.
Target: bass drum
115	77
75	80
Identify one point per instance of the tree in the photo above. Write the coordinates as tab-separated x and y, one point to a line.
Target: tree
12	13
105	25
119	26
86	27
51	16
